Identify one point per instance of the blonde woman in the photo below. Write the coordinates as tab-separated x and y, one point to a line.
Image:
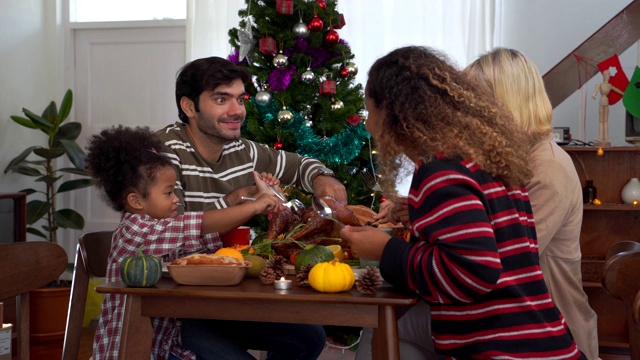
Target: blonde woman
554	189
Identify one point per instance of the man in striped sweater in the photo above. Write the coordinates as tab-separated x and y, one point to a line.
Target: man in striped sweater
214	164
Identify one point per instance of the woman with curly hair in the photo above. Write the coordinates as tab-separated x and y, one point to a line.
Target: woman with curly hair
472	253
555	189
139	182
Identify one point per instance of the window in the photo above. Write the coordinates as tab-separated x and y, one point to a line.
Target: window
126	10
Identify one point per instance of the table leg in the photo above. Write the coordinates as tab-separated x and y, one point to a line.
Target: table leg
137	332
384	345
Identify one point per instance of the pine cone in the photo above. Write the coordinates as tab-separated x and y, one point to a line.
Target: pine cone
369	281
277	263
302	276
267	276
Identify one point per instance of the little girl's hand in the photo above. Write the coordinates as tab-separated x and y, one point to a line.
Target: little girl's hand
268	203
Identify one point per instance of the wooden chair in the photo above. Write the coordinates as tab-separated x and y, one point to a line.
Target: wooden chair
621	278
91	261
26	266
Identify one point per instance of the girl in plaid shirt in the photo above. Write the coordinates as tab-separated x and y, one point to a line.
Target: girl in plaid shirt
139	182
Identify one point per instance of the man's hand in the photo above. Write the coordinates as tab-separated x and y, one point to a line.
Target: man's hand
324	185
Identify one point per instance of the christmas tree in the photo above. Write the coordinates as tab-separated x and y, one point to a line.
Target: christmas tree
303	97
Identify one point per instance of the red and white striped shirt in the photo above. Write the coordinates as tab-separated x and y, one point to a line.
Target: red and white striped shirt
473	257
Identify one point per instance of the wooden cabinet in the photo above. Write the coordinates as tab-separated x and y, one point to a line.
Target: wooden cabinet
603	225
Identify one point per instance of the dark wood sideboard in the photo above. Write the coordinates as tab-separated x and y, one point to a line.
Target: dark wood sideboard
604	225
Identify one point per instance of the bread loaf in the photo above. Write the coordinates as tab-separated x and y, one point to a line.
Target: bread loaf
208	259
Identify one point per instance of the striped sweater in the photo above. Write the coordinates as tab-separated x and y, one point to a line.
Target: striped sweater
201	185
474	258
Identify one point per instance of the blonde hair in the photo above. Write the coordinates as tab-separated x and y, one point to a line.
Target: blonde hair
516	83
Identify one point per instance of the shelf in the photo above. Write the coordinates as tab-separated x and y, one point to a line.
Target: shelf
611	207
595	149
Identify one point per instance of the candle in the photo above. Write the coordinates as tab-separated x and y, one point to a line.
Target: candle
282	284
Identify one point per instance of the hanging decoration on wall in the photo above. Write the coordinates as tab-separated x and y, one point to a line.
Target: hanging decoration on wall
617	77
631	98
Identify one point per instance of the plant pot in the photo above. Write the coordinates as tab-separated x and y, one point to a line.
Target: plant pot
48	313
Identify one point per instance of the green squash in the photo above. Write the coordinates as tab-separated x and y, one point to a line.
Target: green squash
313	254
141	270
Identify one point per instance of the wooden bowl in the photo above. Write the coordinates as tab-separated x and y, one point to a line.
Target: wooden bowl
219	275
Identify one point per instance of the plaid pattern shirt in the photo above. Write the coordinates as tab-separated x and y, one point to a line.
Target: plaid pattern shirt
168	239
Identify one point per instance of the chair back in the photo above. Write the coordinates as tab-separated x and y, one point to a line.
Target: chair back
622	246
92	255
25	266
621	279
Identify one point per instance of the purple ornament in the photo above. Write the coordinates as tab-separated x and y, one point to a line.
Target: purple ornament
279	79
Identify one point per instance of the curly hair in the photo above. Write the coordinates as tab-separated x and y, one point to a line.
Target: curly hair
516	82
431	108
205	74
124	160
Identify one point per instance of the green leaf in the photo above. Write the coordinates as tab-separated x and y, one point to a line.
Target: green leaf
74	152
75	184
69	131
69	219
34	231
38	121
18	159
23	121
48	179
51	113
74	171
26	170
49	153
28	191
36	209
65	106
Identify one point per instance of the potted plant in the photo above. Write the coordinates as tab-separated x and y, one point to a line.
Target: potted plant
40	162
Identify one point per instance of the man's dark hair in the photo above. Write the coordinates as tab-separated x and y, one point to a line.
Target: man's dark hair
205	74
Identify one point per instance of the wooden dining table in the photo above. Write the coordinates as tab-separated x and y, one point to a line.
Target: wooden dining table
253	301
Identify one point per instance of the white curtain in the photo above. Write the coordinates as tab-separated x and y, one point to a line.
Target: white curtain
463	29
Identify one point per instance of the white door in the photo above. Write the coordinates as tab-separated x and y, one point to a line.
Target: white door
122	76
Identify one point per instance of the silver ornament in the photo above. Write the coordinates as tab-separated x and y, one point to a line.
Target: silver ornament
247	42
308	76
281	60
352	68
337	105
284	115
263	97
301	30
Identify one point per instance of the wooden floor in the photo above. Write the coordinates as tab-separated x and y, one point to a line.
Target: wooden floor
53	350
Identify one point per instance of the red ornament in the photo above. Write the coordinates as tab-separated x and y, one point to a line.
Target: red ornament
247	97
267	45
278	145
316	23
322	4
344	73
354	119
382	199
331	37
284	7
328	88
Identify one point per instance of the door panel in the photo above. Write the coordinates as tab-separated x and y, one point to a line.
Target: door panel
123	76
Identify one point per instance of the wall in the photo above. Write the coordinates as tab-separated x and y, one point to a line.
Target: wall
547	31
28	77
